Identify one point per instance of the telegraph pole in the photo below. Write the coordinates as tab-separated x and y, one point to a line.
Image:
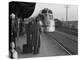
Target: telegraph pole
67	12
67	6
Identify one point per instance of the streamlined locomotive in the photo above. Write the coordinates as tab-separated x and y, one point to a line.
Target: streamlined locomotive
46	17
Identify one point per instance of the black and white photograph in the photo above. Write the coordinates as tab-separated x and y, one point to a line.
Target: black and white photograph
42	29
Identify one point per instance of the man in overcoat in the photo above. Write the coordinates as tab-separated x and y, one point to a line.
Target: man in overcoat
35	36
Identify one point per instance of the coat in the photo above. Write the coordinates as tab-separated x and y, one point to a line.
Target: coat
35	34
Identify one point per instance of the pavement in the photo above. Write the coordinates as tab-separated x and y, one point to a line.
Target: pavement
49	47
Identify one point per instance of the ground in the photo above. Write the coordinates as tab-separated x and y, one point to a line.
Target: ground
49	46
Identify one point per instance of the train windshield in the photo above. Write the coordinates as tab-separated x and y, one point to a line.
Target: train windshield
50	16
44	11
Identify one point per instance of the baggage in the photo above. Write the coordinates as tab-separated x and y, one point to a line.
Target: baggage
27	48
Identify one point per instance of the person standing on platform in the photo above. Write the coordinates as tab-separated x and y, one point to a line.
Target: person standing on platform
27	27
36	36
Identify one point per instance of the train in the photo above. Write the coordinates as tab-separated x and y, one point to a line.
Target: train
46	20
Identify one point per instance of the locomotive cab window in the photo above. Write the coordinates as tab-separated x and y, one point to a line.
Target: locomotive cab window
44	11
50	17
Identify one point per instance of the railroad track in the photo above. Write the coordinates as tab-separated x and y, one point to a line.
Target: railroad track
69	38
61	45
72	32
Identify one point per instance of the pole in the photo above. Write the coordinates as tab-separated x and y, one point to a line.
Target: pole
67	13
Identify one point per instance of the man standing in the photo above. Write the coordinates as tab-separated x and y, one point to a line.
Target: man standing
36	36
27	26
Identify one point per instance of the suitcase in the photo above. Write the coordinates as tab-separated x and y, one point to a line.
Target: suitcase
27	48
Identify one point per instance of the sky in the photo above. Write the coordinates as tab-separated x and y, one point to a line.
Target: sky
59	11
